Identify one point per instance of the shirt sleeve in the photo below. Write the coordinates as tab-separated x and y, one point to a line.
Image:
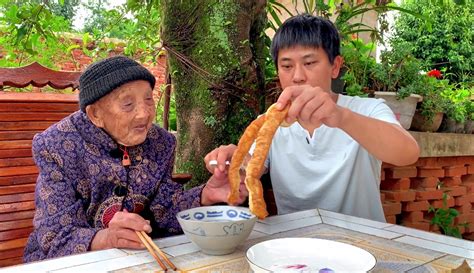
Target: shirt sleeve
381	111
170	199
60	222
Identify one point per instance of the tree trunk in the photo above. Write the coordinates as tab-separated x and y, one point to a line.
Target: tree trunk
216	59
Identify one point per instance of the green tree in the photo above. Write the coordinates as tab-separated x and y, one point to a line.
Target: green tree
32	33
64	8
445	41
100	19
136	25
215	55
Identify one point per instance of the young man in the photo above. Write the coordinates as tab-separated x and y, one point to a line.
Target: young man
331	157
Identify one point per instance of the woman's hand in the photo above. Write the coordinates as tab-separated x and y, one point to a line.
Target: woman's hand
217	188
121	232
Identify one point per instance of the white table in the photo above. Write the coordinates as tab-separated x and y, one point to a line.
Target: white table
396	248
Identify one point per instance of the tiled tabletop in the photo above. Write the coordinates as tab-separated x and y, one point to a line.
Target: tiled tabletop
396	248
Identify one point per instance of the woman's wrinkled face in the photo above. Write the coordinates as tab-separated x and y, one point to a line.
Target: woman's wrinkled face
126	113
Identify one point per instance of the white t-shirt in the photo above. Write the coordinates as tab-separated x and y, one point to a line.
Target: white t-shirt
330	170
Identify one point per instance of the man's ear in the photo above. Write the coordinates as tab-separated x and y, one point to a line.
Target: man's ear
336	66
94	114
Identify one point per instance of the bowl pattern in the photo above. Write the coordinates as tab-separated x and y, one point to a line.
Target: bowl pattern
217	230
233	228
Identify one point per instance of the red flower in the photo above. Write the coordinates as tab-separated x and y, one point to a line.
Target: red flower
434	73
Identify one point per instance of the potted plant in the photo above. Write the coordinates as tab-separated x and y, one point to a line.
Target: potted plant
469	125
358	63
429	113
397	79
456	111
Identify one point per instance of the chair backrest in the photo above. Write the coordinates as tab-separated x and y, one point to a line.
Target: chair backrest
22	115
37	75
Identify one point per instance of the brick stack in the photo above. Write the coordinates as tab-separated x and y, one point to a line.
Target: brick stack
408	192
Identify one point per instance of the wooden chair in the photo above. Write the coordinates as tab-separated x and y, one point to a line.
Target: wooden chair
22	115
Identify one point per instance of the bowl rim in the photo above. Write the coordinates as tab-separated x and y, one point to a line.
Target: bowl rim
252	217
253	263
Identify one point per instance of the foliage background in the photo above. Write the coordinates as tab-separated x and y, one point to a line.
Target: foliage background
445	41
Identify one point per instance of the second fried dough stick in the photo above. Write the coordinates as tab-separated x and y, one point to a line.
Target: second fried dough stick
273	119
243	148
262	130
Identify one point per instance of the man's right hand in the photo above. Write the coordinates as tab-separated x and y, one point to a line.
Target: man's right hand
121	232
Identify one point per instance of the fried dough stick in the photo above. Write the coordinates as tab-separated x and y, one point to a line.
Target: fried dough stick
243	148
264	135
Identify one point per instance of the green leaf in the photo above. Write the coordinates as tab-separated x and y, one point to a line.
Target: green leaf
35	40
21	33
276	18
72	47
85	39
36	10
11	15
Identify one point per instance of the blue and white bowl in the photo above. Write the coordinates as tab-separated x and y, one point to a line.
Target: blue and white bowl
217	230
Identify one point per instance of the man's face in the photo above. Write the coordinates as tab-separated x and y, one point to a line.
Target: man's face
127	113
301	65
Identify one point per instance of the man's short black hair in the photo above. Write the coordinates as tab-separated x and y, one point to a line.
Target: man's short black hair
307	30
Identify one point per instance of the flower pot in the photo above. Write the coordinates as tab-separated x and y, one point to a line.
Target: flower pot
420	123
469	127
452	126
403	109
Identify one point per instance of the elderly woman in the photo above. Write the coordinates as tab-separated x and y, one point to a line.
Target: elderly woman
105	171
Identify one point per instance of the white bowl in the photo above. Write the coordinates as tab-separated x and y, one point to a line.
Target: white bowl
217	230
308	255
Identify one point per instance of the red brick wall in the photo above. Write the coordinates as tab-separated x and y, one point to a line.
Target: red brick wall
408	192
80	61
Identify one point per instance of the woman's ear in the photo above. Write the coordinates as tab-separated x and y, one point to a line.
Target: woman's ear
336	66
94	113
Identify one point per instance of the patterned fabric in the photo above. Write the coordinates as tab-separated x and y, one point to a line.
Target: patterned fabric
75	194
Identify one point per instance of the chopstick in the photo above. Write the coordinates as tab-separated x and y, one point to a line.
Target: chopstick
150	245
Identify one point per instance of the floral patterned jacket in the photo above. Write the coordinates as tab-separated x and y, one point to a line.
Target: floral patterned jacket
82	183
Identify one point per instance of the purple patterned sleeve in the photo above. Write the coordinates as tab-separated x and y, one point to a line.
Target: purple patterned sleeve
171	198
60	220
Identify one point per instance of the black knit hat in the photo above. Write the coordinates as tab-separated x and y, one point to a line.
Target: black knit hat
102	77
